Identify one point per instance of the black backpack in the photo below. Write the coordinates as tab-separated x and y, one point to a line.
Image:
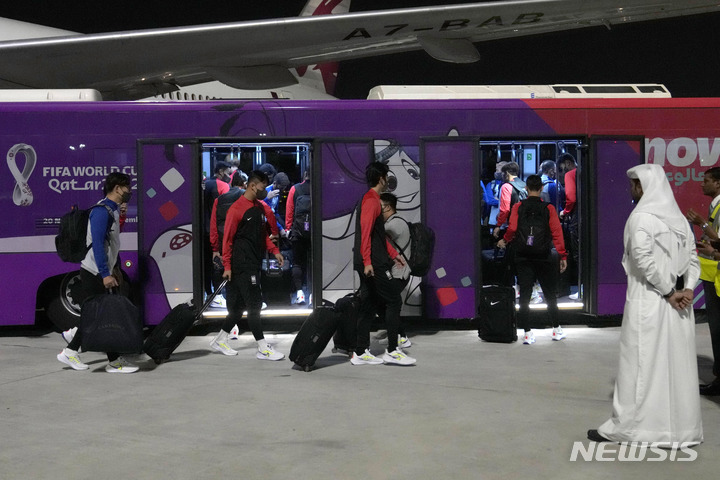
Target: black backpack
70	241
422	245
301	214
533	237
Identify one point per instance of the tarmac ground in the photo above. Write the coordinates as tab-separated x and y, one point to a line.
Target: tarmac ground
467	410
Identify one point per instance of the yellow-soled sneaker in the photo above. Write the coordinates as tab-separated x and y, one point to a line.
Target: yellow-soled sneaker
366	358
398	357
72	359
269	353
120	365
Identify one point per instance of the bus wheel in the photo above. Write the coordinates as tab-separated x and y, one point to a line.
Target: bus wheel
61	309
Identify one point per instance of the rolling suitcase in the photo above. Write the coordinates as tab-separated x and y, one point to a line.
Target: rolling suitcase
345	337
173	329
496	314
313	337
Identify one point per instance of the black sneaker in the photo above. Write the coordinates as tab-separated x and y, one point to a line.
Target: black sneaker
711	389
595	436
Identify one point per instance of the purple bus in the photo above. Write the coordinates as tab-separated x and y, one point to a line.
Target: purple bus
439	152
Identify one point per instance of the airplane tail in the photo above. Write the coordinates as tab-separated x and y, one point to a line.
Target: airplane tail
323	75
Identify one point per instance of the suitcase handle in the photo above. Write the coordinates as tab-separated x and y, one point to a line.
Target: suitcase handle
212	296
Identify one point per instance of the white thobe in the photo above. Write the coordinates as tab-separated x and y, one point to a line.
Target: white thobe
656	395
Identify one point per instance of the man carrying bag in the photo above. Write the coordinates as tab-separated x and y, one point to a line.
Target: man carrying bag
119	323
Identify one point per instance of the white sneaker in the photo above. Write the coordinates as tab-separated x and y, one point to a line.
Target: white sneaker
398	357
234	333
529	338
536	296
219	301
263	306
219	343
558	333
72	359
68	335
121	365
269	353
366	358
299	297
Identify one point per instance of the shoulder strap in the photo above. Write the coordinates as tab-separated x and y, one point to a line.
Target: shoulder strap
110	214
300	190
402	250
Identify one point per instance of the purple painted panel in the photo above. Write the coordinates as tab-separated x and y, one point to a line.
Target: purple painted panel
612	159
449	211
611	298
343	172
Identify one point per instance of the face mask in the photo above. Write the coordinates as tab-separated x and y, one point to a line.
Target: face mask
126	197
261	194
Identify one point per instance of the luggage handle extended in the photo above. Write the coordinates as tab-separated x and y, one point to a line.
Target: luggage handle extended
211	297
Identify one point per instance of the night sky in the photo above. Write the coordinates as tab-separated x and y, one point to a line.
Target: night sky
681	53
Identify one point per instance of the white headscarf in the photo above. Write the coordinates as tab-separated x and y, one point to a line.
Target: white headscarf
658	200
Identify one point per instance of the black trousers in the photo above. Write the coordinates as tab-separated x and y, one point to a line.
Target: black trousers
243	292
90	285
379	294
301	255
544	270
572	243
712	310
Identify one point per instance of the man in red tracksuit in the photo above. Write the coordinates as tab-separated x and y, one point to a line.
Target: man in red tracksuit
373	260
534	259
245	241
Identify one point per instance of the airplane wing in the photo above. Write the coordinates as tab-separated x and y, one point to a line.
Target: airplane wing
257	54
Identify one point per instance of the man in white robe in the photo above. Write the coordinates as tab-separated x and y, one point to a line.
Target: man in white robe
656	396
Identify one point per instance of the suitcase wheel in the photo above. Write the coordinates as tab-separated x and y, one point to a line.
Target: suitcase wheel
304	368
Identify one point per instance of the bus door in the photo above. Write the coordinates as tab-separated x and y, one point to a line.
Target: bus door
450	186
606	189
168	193
339	170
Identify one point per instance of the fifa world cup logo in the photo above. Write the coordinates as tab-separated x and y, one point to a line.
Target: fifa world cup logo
22	195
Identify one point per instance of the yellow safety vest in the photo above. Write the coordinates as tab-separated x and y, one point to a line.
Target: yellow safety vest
708	266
